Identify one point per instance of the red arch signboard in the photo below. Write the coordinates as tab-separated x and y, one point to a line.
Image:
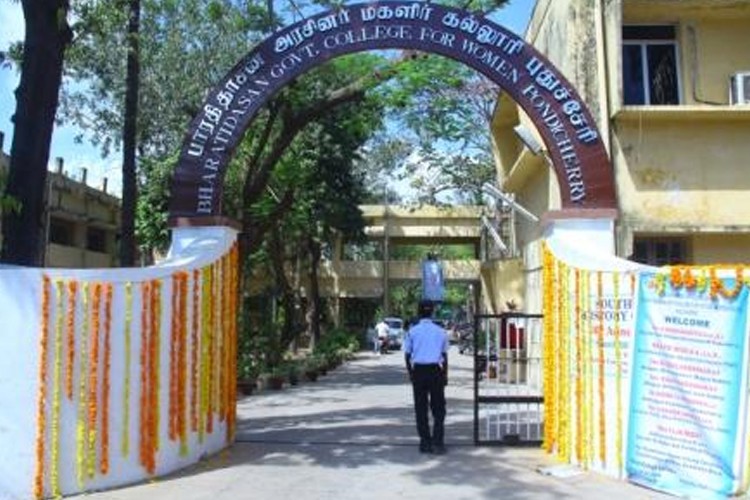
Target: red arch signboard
562	119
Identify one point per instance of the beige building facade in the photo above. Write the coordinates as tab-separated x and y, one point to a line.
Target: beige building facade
668	83
82	222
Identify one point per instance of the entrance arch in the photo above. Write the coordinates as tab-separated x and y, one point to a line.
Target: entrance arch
567	128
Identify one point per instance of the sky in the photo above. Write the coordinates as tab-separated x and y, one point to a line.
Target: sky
514	17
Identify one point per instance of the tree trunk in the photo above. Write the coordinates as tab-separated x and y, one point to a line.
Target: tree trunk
47	36
129	138
313	299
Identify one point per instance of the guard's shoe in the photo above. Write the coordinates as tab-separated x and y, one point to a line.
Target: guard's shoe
425	447
439	449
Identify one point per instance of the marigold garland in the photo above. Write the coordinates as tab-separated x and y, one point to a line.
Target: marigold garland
618	372
564	350
212	334
224	320
155	356
172	428
194	350
93	409
56	390
679	277
205	365
42	391
146	451
182	363
125	435
588	393
70	334
83	392
579	368
104	441
232	383
600	349
548	353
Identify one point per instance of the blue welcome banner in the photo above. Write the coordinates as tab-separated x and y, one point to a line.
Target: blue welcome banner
688	391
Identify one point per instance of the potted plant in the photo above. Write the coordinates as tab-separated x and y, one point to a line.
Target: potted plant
276	377
310	369
247	375
292	373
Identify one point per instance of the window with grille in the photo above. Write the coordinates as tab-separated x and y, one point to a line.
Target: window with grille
649	65
660	251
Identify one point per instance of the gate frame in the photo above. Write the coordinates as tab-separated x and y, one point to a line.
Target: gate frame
498	399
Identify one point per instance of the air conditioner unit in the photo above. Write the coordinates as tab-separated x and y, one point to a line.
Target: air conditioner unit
739	88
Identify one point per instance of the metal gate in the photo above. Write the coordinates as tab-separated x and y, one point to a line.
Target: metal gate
508	402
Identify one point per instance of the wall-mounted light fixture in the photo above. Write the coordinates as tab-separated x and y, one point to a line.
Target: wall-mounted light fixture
491	190
528	139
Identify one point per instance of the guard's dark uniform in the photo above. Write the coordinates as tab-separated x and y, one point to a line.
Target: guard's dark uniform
426	350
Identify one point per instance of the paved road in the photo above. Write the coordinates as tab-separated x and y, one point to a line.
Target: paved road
351	436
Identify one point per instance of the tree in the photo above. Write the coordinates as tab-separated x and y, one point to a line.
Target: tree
47	36
129	137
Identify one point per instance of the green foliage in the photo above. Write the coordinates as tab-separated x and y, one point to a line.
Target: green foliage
7	203
335	340
151	208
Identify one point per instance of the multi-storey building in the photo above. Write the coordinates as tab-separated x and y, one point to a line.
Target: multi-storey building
82	222
669	85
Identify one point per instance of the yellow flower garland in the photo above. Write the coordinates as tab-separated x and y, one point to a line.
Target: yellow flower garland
600	347
83	392
579	368
125	435
588	396
548	353
56	390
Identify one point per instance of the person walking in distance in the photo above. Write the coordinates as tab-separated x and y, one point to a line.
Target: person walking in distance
426	353
381	336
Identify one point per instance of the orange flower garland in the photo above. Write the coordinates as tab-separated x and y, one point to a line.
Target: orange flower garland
145	444
104	442
231	350
618	372
70	334
172	429
155	372
685	277
182	363
194	349
93	408
42	391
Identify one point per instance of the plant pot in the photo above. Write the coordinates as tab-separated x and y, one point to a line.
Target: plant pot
246	386
275	383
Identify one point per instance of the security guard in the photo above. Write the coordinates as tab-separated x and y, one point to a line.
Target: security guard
426	352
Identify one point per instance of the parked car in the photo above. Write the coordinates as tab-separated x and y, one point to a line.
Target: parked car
396	332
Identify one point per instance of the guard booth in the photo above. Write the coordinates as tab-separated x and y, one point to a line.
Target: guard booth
508	402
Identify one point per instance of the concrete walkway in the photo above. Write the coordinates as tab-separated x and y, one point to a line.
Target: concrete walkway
351	435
